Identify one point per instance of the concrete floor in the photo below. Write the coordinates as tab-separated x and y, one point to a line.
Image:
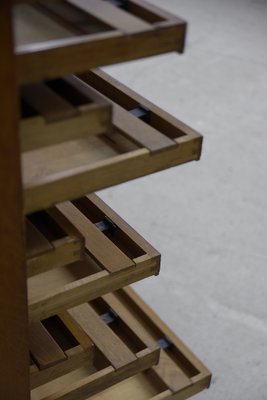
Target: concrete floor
208	219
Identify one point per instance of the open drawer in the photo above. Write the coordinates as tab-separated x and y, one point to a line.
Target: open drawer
179	374
115	255
144	140
61	37
82	341
61	110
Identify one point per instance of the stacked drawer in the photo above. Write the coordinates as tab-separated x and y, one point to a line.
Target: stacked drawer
89	338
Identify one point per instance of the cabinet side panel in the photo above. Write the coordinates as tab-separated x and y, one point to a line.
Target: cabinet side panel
14	367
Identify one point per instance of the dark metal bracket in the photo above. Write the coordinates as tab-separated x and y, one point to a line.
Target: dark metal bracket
164	343
141	112
106	225
109	317
119	3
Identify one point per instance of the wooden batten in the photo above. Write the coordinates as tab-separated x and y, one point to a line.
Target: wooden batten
61	110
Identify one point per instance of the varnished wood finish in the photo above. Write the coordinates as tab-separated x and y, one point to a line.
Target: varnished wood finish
14	379
51	244
140	33
61	110
43	347
178	375
115	355
134	148
129	259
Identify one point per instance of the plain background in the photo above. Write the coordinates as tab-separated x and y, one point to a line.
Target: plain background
208	219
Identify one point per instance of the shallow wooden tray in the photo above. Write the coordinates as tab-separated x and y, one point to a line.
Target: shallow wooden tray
178	375
80	338
61	37
61	110
115	255
145	139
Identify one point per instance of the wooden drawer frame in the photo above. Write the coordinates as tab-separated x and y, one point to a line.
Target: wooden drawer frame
178	375
113	259
143	31
81	339
61	110
135	148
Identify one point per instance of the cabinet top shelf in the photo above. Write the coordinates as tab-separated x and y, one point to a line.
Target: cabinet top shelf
56	38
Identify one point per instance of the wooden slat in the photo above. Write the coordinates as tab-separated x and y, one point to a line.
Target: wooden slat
85	90
36	242
68	174
14	352
112	15
65	251
91	115
77	357
120	223
31	26
108	343
48	103
150	12
46	251
140	132
97	244
45	351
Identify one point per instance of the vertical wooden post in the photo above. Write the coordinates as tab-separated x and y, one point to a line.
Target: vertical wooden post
14	353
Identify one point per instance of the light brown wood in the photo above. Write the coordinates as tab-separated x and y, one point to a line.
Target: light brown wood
65	251
76	330
36	242
140	132
100	248
82	383
46	102
76	168
44	251
86	114
77	358
14	379
114	346
131	319
194	364
129	99
45	351
93	199
58	289
64	172
108	343
178	375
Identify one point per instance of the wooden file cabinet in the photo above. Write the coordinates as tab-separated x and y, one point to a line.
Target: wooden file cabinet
70	328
